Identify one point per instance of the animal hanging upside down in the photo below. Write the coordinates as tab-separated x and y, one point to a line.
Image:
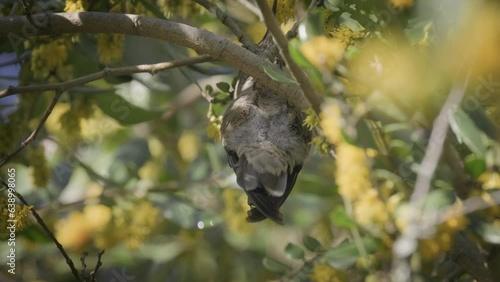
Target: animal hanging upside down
266	144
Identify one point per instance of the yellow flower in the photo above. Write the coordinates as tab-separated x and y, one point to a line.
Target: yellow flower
21	215
179	7
285	10
352	172
330	123
443	238
97	216
401	4
311	120
74	6
39	169
110	47
323	52
370	211
325	273
188	146
490	180
344	34
47	57
73	232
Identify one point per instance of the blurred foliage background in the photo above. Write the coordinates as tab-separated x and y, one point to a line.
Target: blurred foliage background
133	164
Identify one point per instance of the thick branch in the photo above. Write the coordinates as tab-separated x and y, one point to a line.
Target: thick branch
107	72
17	28
274	27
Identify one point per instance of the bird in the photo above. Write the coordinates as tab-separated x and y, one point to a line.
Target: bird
266	145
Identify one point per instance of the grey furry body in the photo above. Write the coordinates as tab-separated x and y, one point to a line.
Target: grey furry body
266	145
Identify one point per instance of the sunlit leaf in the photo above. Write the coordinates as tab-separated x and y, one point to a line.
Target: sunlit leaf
278	76
468	133
341	219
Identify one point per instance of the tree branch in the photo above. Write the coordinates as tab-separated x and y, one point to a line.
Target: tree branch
37	129
106	72
40	221
274	27
229	22
15	29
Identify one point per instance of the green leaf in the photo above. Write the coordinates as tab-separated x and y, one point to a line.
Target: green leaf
365	138
438	199
274	265
294	251
347	253
351	23
468	133
209	89
223	86
122	111
279	76
333	5
341	219
474	165
312	244
400	148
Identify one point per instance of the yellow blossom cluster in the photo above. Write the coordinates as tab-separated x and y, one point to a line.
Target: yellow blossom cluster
21	216
188	146
48	57
285	10
39	169
490	180
213	129
443	238
323	52
72	6
130	224
353	173
343	33
179	7
110	47
401	4
129	7
324	273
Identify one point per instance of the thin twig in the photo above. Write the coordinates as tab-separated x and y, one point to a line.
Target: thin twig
292	33
37	129
308	262
40	221
97	266
106	72
273	26
230	23
406	243
29	15
435	147
84	265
